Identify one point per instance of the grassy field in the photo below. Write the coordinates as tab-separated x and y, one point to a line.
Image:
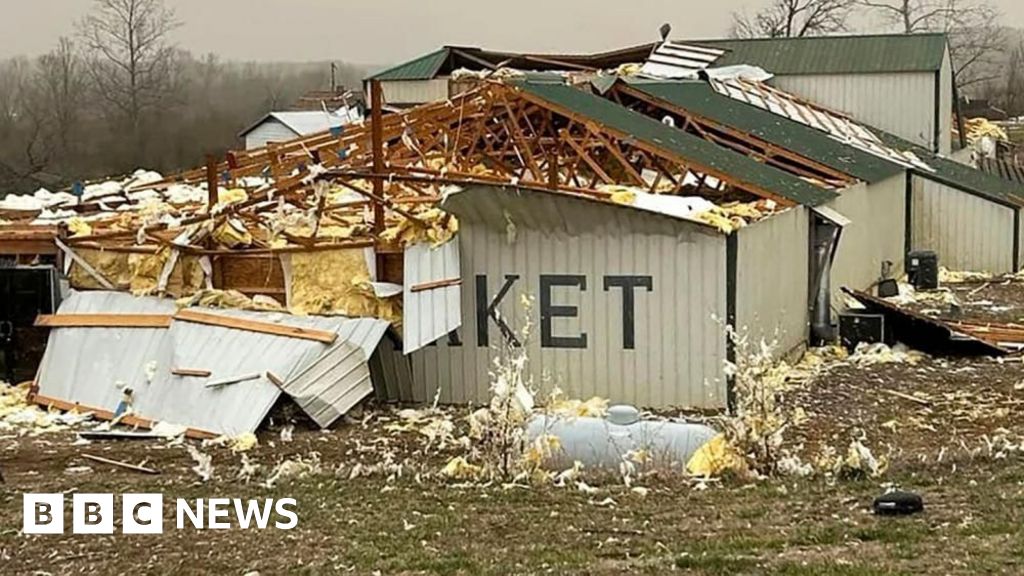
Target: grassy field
373	500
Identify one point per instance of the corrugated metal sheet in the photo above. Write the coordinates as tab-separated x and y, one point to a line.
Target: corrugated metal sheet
903	104
956	175
430	314
967	232
699	98
771	279
516	237
874	236
87	365
91	365
414	91
678	60
861	54
703	154
815	116
339	379
423	67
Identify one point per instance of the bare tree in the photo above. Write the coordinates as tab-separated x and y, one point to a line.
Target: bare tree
132	61
60	86
975	37
793	18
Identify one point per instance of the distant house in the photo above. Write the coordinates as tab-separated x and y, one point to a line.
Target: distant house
284	126
900	83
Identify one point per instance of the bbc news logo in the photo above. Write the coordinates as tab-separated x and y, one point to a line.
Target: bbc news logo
144	513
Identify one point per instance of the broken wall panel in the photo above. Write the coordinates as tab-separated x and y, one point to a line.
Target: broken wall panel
92	366
340	378
432	297
621	301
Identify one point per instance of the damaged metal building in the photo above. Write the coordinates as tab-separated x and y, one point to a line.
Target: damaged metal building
613	220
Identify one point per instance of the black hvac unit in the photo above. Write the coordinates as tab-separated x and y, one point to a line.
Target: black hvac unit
25	292
857	327
923	269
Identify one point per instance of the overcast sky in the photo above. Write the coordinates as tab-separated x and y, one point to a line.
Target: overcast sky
387	31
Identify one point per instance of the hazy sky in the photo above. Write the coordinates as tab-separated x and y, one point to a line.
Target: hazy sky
386	31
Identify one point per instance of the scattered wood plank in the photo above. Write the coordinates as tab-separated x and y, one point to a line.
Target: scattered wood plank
120	464
436	284
84	264
232	380
100	413
920	401
118	435
191	372
275	379
103	320
256	326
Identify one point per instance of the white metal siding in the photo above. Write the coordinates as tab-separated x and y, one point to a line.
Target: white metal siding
679	348
271	130
414	91
903	104
771	279
1020	239
967	232
875	234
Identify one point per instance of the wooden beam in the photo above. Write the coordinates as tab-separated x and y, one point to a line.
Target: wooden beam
435	284
120	464
103	320
129	420
190	372
256	326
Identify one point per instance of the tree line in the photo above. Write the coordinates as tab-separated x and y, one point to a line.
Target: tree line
119	95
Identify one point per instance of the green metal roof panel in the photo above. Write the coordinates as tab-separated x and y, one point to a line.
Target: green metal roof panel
957	175
422	68
835	54
620	119
701	99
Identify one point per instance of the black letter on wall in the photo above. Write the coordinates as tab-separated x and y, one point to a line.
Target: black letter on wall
547	311
485	309
628	284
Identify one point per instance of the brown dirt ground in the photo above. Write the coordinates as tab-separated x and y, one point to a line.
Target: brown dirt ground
958	445
998	300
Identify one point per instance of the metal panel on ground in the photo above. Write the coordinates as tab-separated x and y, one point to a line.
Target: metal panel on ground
967	232
431	303
622	301
92	366
772	279
340	378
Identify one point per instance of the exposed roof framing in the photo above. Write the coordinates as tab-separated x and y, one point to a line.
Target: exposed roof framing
837	125
725	135
539	135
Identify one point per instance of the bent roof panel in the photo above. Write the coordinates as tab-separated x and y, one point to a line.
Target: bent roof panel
701	153
699	98
869	54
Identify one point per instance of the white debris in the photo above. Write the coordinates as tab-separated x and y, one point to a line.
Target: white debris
204	462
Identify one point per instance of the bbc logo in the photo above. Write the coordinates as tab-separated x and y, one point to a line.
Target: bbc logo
93	514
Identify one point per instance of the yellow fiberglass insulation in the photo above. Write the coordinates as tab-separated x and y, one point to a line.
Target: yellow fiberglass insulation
337	282
111	265
440	228
186	278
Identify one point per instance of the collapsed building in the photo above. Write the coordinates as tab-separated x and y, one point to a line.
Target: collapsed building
612	213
